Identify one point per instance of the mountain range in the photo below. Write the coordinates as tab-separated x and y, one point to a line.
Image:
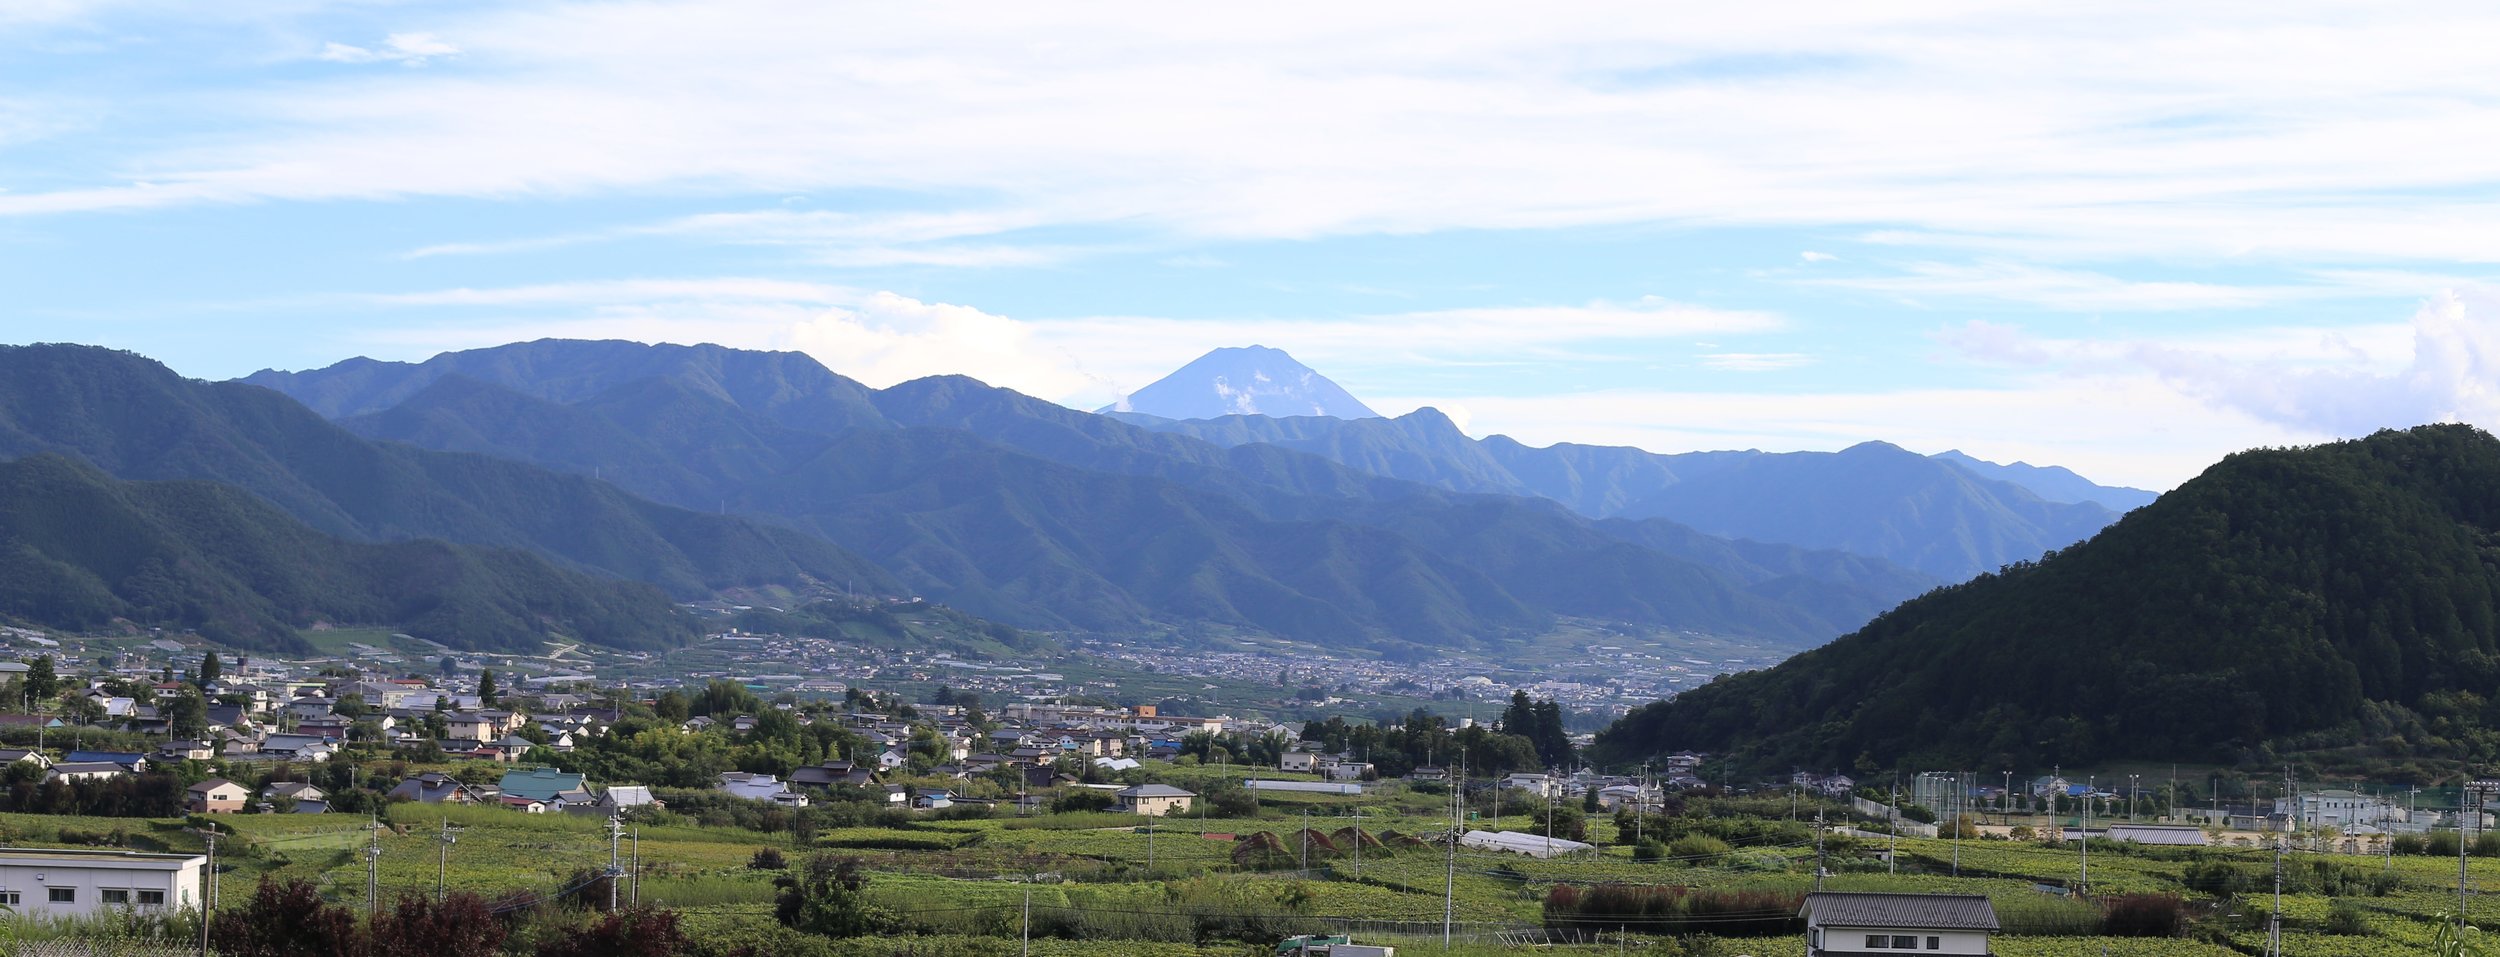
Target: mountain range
1038	515
80	550
1947	516
2344	595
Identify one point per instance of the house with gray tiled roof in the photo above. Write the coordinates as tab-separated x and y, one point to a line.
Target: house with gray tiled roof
1880	925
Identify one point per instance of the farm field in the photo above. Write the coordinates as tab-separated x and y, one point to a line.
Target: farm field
1186	886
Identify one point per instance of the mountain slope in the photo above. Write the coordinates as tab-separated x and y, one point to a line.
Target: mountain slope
1252	380
1044	516
2340	594
134	419
79	549
2053	483
1874	499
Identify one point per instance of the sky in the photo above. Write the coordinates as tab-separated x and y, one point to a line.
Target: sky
2123	238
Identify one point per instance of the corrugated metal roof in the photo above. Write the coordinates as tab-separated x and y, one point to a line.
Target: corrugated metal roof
1939	911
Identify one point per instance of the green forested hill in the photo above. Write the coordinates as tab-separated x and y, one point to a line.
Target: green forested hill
136	419
79	549
2341	594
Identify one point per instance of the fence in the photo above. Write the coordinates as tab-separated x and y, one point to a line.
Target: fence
100	947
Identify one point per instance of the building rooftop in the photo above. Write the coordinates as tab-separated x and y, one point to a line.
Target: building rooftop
1938	911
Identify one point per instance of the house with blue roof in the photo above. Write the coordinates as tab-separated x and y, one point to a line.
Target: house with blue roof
539	784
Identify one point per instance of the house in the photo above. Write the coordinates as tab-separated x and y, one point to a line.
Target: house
760	787
624	796
15	755
1299	761
300	747
1541	785
215	796
1429	774
892	758
434	787
931	799
85	771
131	761
1155	800
1855	924
1348	771
55	884
185	750
833	774
293	796
540	784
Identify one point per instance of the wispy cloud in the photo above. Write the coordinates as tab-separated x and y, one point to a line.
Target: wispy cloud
406	49
1755	361
2062	289
2053	133
2442	366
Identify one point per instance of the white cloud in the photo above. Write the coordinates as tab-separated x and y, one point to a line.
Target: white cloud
1816	257
2063	289
406	49
2140	130
1755	361
2453	376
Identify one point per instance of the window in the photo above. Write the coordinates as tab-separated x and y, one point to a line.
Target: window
157	899
9	898
1878	942
1904	942
114	895
64	895
1935	943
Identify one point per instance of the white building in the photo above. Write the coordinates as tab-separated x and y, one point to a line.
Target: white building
2335	807
1517	842
57	883
1853	924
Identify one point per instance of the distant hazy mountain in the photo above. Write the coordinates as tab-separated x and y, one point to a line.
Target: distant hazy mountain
2336	599
2054	483
135	419
1044	516
79	549
1253	380
1874	500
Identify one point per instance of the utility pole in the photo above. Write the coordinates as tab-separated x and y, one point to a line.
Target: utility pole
1818	848
442	857
208	893
637	882
1306	841
1358	841
2274	921
616	834
1892	840
1028	915
373	873
1449	881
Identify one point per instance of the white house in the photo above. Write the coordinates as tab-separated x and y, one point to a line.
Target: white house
60	883
1299	761
1853	925
761	787
1542	785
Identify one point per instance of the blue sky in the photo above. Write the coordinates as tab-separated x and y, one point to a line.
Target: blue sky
2128	241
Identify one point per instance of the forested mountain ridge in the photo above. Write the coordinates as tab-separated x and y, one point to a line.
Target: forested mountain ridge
1043	516
2287	598
135	419
1949	518
79	549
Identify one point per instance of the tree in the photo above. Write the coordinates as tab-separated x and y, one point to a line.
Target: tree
285	920
671	707
187	717
460	926
41	682
632	932
211	669
486	687
823	897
